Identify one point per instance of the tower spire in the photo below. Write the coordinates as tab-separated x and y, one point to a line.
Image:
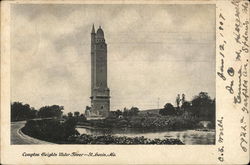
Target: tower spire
93	29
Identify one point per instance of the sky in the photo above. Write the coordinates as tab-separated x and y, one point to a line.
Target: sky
154	51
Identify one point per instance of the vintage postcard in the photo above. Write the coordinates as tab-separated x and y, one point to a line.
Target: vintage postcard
125	82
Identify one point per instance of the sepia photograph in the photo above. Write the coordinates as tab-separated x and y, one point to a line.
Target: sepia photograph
124	82
112	74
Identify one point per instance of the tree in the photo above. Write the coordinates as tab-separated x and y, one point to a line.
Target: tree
118	112
50	111
211	113
186	105
76	114
125	112
201	100
203	107
70	114
183	99
133	111
115	114
178	100
168	110
20	111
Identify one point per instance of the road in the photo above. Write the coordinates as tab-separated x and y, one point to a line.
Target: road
17	137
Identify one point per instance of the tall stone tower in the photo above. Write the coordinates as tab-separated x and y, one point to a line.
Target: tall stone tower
100	98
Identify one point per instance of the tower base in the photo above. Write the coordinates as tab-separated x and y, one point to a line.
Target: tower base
100	107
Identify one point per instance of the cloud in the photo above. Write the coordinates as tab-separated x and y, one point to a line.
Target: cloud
153	51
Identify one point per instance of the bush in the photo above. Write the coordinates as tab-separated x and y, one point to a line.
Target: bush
109	139
147	122
50	129
69	127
